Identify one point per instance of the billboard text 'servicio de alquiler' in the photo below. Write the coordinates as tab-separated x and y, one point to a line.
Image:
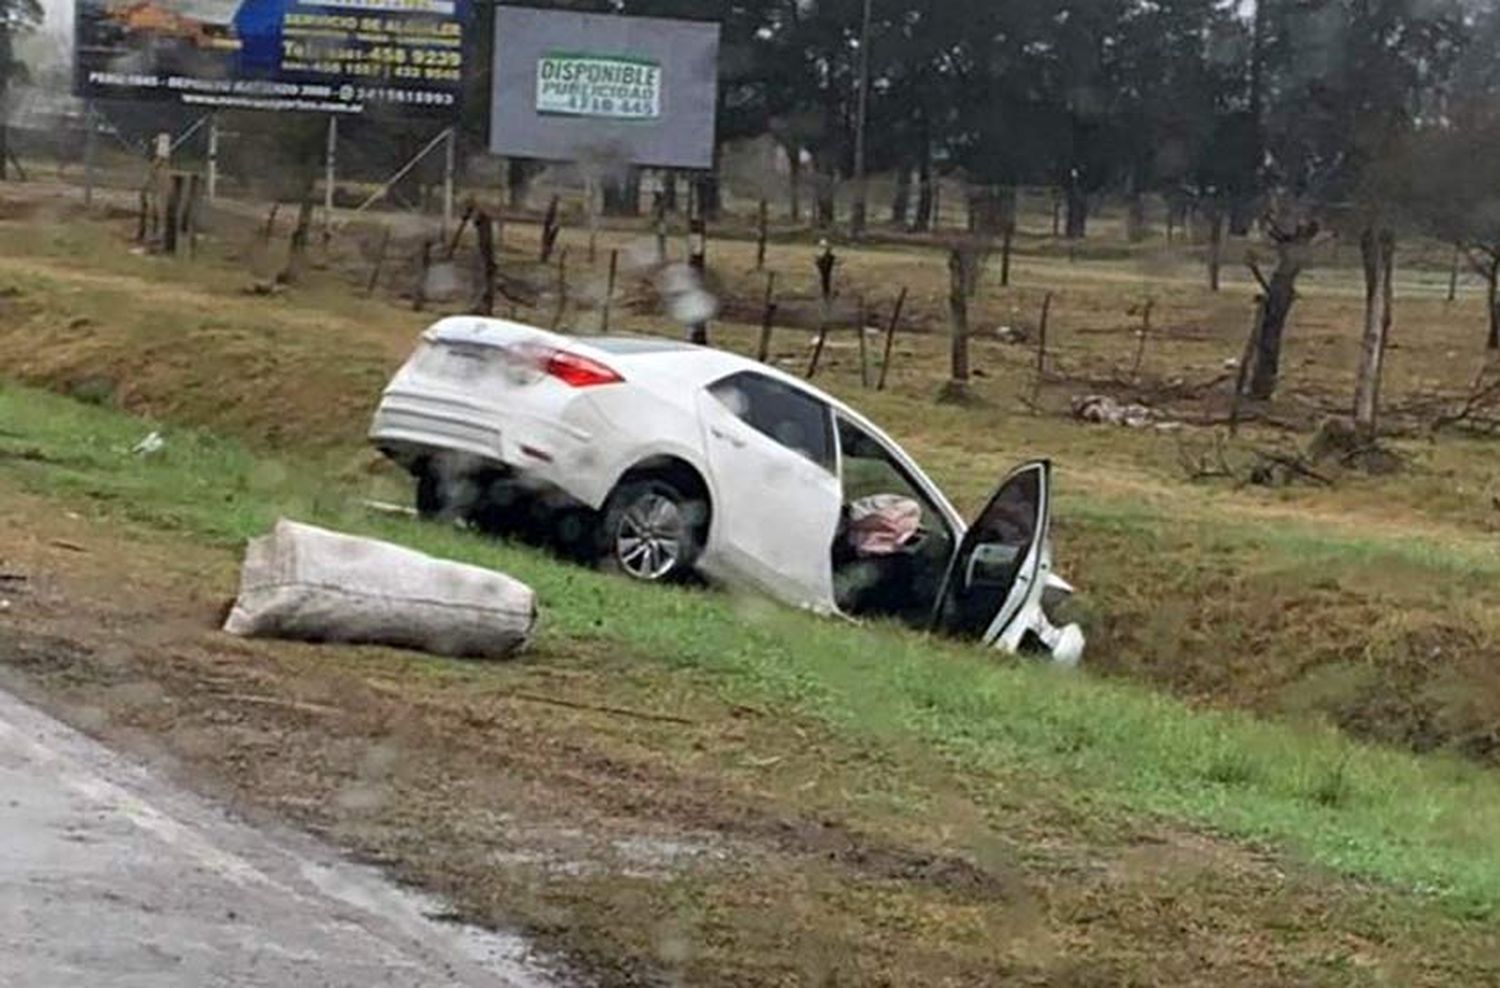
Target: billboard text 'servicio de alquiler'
348	56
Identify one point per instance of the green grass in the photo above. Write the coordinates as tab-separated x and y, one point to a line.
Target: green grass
1428	824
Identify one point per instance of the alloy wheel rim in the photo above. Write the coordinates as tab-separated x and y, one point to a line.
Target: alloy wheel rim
649	542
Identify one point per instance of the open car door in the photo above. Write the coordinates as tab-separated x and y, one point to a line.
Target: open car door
993	590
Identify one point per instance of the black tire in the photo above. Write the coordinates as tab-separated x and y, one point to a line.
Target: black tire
442	496
431	505
651	531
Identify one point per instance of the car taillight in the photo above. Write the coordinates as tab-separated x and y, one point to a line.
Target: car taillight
574	370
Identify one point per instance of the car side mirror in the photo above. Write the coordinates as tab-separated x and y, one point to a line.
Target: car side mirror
992	565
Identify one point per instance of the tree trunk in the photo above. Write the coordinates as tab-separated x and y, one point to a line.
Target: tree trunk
925	198
958	311
1077	220
963	277
707	195
1280	293
901	201
298	245
486	268
1377	251
622	195
1177	217
1215	245
794	185
669	191
1492	302
1241	215
1007	240
1135	218
827	191
517	178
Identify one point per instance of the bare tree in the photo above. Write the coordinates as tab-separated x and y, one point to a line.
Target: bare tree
1484	258
1292	245
1377	248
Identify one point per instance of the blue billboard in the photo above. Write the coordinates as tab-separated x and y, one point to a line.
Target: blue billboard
348	57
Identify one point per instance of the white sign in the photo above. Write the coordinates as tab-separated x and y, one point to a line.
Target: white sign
614	87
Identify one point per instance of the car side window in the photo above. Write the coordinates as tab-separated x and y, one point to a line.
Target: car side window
869	469
792	418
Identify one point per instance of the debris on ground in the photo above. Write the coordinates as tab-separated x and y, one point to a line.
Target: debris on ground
1104	410
394	510
1247	465
1337	440
309	584
151	445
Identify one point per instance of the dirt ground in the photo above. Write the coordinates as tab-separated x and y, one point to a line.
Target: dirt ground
654	845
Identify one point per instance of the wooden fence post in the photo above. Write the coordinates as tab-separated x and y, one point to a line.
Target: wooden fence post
551	227
484	233
609	290
1041	349
890	338
385	242
767	320
562	287
864	346
1140	347
1242	375
762	231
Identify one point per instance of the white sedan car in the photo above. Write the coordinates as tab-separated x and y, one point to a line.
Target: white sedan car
664	460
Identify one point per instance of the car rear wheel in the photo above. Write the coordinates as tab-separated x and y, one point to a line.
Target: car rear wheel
650	532
431	504
445	495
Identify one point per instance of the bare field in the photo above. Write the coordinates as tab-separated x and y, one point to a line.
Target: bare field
793	853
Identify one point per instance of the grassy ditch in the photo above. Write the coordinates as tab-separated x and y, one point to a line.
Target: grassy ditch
1428	825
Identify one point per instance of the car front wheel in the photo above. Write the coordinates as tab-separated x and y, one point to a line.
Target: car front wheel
650	532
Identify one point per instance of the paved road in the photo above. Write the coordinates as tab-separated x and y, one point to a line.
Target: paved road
110	878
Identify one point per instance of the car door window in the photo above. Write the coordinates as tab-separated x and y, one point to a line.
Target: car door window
791	417
903	582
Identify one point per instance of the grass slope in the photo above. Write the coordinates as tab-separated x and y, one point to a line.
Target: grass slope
1430	825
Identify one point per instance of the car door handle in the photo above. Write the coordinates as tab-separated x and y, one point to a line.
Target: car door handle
732	440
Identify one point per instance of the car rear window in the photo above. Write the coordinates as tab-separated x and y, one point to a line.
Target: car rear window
791	417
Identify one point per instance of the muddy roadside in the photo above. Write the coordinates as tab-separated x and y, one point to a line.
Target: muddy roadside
647	830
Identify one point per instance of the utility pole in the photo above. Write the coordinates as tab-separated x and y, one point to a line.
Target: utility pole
861	184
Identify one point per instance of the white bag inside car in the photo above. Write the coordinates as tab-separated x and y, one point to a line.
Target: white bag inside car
310	584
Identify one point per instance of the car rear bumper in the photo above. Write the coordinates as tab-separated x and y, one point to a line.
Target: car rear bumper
415	427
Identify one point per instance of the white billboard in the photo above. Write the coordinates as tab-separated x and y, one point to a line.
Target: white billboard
633	90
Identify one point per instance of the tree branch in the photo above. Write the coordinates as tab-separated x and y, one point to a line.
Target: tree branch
1260	277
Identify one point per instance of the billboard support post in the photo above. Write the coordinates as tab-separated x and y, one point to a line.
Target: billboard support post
213	157
89	127
330	174
450	162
